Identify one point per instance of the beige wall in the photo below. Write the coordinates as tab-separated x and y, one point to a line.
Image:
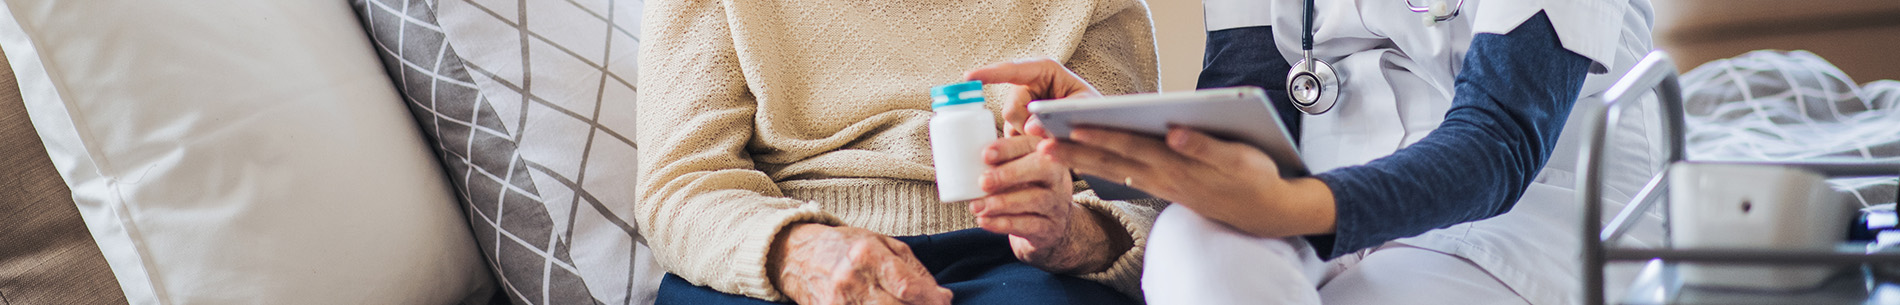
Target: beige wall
1179	36
1860	46
1858	36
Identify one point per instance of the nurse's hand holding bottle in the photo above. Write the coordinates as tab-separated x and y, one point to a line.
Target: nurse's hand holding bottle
1227	181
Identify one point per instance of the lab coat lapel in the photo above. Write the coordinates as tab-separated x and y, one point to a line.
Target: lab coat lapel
1365	125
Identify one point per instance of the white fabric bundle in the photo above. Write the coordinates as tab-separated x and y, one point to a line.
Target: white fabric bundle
1788	106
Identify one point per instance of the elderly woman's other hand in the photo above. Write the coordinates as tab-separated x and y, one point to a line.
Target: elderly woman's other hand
1030	200
1030	195
820	264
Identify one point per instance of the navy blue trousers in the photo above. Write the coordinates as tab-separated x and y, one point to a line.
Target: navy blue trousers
974	264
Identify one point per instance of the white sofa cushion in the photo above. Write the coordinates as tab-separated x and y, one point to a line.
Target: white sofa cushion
240	152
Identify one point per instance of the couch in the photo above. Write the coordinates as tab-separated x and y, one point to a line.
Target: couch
319	152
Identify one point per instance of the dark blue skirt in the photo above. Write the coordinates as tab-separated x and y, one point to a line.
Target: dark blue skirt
976	265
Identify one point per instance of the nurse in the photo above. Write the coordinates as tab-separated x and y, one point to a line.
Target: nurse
1441	176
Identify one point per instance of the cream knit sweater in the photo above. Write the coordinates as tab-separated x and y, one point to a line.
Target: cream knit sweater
755	114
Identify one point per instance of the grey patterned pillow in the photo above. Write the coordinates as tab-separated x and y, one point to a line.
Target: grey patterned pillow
530	105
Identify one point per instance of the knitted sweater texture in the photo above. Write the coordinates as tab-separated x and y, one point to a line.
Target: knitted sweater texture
756	114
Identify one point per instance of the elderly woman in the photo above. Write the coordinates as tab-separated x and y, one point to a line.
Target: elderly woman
785	143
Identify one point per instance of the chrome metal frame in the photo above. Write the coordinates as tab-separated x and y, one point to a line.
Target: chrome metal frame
1656	72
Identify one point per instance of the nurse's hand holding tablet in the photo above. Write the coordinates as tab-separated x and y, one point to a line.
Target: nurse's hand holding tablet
1229	181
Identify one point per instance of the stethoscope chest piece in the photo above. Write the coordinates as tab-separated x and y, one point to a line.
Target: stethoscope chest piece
1313	86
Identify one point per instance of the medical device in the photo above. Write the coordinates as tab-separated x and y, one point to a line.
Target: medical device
1312	84
1757	225
1752	206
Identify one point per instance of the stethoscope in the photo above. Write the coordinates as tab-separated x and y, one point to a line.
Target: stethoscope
1313	85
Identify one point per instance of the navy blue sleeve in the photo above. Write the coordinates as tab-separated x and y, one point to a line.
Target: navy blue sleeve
1511	101
1248	57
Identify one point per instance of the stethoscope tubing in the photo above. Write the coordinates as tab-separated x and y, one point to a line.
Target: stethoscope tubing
1313	85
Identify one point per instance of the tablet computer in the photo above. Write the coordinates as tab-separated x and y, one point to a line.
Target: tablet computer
1240	114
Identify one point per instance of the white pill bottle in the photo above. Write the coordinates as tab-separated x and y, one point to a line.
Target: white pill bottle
959	133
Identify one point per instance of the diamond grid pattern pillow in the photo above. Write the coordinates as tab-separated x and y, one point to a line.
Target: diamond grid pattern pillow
530	105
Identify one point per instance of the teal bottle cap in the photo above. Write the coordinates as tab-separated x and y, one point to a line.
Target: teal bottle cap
956	94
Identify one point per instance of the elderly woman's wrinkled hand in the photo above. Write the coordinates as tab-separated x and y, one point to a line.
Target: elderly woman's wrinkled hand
820	264
1029	193
1030	200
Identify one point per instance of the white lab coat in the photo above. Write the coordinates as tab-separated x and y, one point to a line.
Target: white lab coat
1398	84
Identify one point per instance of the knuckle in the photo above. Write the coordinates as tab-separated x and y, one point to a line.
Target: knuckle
1005	147
1193	146
827	299
1001	225
1170	178
895	281
900	247
997	176
1171	175
1025	143
861	251
980	205
847	286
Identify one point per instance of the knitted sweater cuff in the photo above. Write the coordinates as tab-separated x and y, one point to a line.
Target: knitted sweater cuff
1125	273
749	264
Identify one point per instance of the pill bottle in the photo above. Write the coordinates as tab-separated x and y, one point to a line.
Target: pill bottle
959	132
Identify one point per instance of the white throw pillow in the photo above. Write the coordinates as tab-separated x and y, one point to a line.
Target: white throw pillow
562	73
530	107
240	152
529	121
